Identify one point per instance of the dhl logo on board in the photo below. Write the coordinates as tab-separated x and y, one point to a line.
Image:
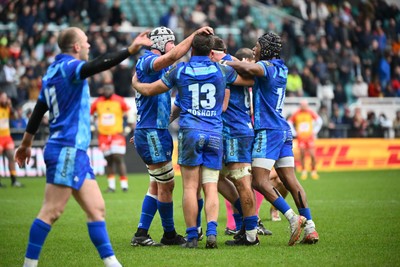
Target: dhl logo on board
345	154
355	154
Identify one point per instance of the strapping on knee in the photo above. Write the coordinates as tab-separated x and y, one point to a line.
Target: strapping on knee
164	174
209	175
285	162
239	173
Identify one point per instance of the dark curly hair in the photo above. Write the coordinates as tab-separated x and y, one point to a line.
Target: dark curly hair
271	45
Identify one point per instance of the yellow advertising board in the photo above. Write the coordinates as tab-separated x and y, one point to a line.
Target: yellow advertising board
355	154
345	154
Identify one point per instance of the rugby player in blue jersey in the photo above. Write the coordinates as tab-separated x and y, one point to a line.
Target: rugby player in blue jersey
238	138
65	94
201	87
152	139
273	137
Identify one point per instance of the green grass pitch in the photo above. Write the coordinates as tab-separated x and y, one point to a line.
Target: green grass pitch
357	216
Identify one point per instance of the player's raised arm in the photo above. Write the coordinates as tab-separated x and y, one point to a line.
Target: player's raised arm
167	59
110	60
149	89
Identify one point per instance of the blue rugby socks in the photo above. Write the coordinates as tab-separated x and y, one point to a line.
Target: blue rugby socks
37	236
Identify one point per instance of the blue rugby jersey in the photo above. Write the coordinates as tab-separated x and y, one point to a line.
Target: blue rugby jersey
201	87
152	111
68	99
236	119
269	96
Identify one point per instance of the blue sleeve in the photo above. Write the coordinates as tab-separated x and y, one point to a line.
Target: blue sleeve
145	64
78	70
169	78
269	68
230	74
150	64
70	70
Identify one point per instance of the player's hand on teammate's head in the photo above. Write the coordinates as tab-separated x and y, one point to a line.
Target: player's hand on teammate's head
139	41
205	30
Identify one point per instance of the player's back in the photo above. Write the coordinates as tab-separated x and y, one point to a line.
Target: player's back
67	97
152	111
236	118
201	87
269	96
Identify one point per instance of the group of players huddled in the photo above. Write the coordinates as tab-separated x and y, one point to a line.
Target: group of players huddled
230	140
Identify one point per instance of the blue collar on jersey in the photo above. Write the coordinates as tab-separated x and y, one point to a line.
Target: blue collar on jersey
200	58
60	56
227	57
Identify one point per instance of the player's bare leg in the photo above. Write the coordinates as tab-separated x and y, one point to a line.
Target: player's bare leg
288	177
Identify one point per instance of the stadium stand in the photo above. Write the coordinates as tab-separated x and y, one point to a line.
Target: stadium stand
332	43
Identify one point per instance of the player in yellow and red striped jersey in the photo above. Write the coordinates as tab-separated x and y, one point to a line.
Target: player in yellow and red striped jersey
111	109
6	142
305	124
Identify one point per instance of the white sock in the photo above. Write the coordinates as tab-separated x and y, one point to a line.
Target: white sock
290	214
111	182
124	184
30	263
251	235
111	262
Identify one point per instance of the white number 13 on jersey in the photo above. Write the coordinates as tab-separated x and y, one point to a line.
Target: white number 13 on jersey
209	90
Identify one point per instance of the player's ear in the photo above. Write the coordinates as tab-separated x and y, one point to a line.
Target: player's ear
76	47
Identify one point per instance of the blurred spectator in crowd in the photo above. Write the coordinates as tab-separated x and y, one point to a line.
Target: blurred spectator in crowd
323	113
252	33
294	85
385	125
359	88
231	45
170	19
98	11
122	79
309	82
373	129
18	124
396	125
115	17
396	81
384	69
225	14
339	125
320	69
358	125
340	96
8	81
198	17
374	87
243	10
212	14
